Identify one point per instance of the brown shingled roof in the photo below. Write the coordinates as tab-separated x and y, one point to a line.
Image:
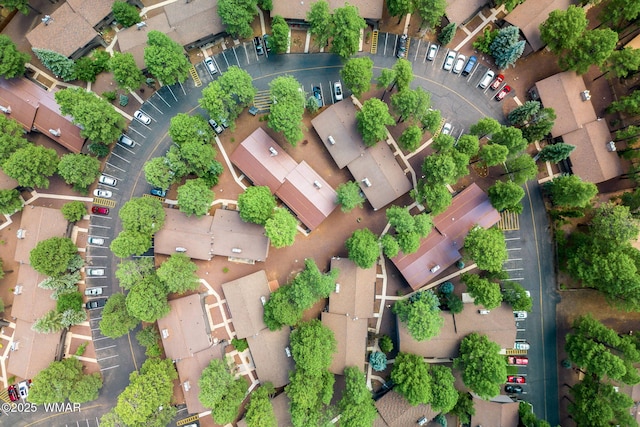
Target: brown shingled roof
232	233
32	352
133	40
189	232
501	411
93	11
397	412
339	122
351	336
189	372
243	298
39	223
469	208
269	356
32	302
295	9
459	11
357	291
184	330
6	182
194	20
529	15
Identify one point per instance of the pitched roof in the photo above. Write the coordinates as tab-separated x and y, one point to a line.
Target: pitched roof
92	11
293	9
499	325
634	43
351	336
184	330
36	109
66	32
529	15
591	160
6	182
459	11
189	232
33	352
269	356
189	372
501	411
357	291
395	411
562	93
231	233
243	298
194	20
469	208
39	223
281	408
133	40
32	302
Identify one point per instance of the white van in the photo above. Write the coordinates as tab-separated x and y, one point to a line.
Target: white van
486	79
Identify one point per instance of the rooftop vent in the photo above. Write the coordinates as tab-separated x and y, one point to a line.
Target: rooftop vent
186	386
6	110
366	182
139	25
181	249
585	95
17	290
47	19
273	151
14	345
165	334
55	132
21	233
236	250
337	288
611	146
331	140
287	350
317	184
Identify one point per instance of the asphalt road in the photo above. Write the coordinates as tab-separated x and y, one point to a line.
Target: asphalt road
461	102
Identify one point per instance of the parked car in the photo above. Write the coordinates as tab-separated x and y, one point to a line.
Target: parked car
448	62
520	314
317	94
102	193
159	192
95	271
518	379
265	39
521	345
513	389
337	91
125	140
505	90
95	303
432	52
92	292
446	129
457	67
98	241
517	360
215	126
257	42
100	210
470	64
223	122
211	67
13	393
401	51
486	79
142	117
23	388
107	180
497	82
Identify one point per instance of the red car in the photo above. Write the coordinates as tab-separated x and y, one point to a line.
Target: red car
516	360
100	210
496	83
516	379
13	393
505	90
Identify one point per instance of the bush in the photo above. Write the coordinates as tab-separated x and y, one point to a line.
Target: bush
446	288
385	344
378	361
149	338
125	14
73	211
110	95
70	301
124	100
240	345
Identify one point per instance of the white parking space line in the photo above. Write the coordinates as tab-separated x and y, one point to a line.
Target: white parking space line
236	55
101	216
133	129
246	53
475	68
109	367
172	94
108	357
151	103
511	238
386	38
120	157
217	66
514	249
96	256
417	50
105	348
99	339
515	278
163	100
514	259
333	101
322	94
100	226
127	149
445	59
513	269
114	166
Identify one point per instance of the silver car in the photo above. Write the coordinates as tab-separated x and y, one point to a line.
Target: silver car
208	62
95	271
459	64
431	53
125	140
107	180
337	91
102	193
93	292
98	241
448	62
446	129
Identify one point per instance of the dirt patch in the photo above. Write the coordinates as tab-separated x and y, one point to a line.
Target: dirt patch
298	40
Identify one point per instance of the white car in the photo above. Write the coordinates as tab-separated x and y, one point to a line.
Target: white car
95	271
520	314
23	389
208	62
93	292
142	117
98	241
337	91
521	345
102	193
107	180
431	53
448	62
459	64
446	129
486	79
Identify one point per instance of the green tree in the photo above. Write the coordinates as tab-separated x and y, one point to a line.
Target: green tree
437	197
79	170
125	71
622	63
319	19
116	320
363	248
399	8
279	41
431	11
411	375
308	395
410	138
10	202
312	347
125	13
386	78
61	66
593	48
147	300
345	30
487	247
506	47
221	391
237	16
287	109
484	292
411	103
256	204
131	272
349	196
69	301
60	381
443	143
179	273
281	228
225	97
514	294
259	410
431	121
447	33
570	191
385	343
12	64
613	225
85	70
49	323
556	152
484	41
146	401
403	75
390	246
616	12
142	215
357	74
628	104
597	403
468	145
524	112
485	126
52	257
129	243
484	369
195	197
421	315
439	169
372	121
506	196
32	166
186	128
356	406
521	169
20	5
378	361
165	58
464	407
511	138
444	392
11	138
98	120
563	28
